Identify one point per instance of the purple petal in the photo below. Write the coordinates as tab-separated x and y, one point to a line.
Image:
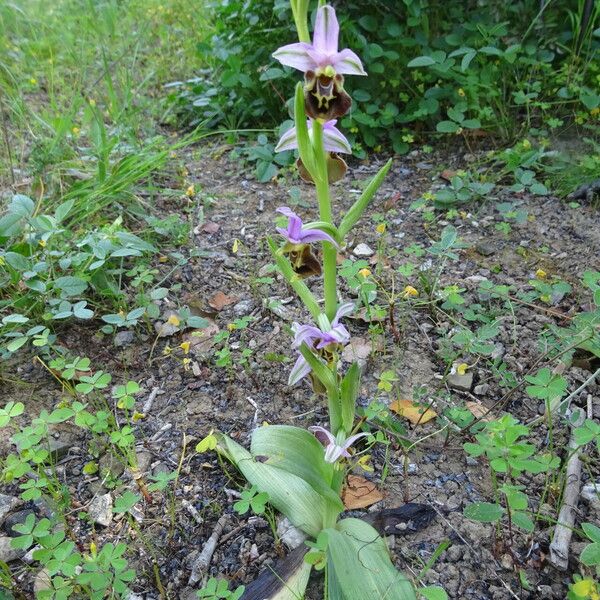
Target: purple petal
284	210
337	335
316	235
351	440
330	124
283	232
288	141
294	229
296	56
300	370
323	435
342	311
325	35
306	334
334	141
347	63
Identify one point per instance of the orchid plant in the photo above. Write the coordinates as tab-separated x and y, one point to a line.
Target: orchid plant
303	471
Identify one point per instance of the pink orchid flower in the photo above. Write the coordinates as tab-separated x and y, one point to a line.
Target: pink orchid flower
333	449
295	234
322	55
318	338
333	139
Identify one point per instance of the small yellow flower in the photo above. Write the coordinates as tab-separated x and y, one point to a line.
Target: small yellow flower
364	272
33	81
93	549
163	259
461	92
185	346
463	214
167	350
541	274
42	243
459	131
121	313
137	416
92	102
363	463
186	364
236	246
410	292
380	228
526	144
586	588
191	191
75	130
462	368
230	326
173	154
173	320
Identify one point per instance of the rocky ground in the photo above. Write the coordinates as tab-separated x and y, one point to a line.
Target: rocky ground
181	406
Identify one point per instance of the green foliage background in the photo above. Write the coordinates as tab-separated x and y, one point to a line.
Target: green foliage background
503	67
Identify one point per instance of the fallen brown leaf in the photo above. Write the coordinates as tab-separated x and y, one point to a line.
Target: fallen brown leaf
415	413
220	300
210	227
360	493
447	174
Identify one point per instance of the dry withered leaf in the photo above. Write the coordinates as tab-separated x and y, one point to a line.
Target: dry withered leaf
447	174
479	411
210	227
360	493
415	413
220	300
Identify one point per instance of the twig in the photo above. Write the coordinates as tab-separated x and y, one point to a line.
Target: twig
559	547
148	404
193	511
203	560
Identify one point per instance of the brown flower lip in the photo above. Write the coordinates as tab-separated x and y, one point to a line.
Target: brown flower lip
325	97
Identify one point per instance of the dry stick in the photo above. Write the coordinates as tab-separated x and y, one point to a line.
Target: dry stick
202	563
559	547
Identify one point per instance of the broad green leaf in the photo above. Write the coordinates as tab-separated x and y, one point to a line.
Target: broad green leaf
295	585
484	512
523	520
295	498
361	565
433	592
298	452
592	531
447	127
70	286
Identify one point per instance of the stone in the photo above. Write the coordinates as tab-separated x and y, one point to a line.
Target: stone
16	518
59	447
590	492
485	248
291	536
144	458
100	510
42	582
243	308
363	251
7	552
461	383
109	464
123	338
7	503
481	389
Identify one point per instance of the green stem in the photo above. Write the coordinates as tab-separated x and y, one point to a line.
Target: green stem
324	199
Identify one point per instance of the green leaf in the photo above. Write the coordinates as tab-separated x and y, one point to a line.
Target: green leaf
361	566
592	531
126	502
433	592
523	520
348	395
484	512
590	555
354	213
291	495
70	286
421	61
447	127
298	452
292	278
